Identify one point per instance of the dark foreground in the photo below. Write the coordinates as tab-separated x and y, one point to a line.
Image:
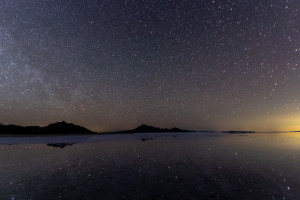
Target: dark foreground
152	166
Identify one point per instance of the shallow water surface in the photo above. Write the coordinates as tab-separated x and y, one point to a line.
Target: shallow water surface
151	166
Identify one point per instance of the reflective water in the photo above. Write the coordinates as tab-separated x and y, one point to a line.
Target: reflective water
151	166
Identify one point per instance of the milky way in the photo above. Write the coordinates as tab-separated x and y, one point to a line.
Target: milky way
111	65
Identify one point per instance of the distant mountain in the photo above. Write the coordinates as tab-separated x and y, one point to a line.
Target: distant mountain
63	127
2	124
56	128
238	132
151	129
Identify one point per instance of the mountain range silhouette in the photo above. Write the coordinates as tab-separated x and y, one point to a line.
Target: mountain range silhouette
55	128
64	128
69	128
151	129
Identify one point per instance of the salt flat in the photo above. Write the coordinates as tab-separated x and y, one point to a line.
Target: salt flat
151	166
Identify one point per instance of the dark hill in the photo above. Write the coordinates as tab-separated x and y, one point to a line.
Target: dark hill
151	129
63	127
238	132
51	129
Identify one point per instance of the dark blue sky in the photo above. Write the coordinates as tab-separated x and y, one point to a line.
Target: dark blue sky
112	65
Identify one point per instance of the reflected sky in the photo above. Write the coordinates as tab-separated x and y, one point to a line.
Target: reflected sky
263	165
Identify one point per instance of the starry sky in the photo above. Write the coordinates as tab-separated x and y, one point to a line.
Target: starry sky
111	65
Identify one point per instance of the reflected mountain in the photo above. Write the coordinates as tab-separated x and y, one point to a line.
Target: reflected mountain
60	145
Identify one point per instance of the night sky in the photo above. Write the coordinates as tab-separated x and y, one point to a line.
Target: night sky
112	65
